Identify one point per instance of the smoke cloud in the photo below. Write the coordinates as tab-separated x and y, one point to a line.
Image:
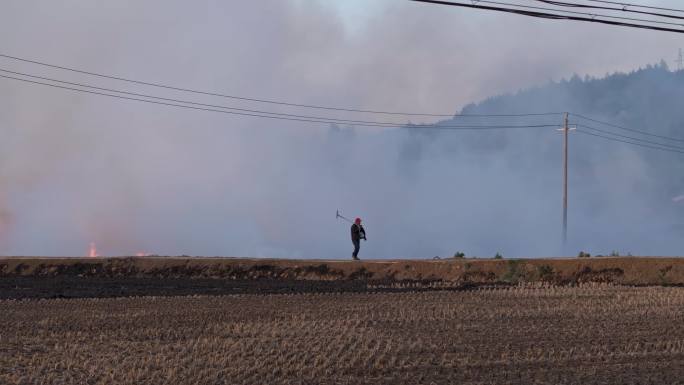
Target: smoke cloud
134	177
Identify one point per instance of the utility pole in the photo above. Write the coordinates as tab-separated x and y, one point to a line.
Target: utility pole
565	180
680	60
566	129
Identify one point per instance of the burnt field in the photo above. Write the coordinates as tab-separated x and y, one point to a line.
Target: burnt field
585	334
27	278
96	287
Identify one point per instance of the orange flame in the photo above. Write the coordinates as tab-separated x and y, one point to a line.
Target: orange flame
93	250
142	254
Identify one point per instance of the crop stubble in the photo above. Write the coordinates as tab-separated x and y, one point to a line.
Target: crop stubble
591	334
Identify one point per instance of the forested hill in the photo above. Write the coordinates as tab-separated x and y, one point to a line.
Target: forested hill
624	197
649	98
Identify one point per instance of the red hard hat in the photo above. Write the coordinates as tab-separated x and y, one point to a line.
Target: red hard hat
357	220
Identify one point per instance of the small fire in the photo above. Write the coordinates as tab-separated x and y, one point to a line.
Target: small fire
142	254
93	250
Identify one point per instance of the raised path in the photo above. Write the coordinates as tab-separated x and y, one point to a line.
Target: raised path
48	277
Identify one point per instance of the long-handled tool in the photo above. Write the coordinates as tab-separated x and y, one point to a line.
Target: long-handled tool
338	215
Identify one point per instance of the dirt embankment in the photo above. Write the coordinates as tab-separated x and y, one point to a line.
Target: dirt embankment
23	278
627	270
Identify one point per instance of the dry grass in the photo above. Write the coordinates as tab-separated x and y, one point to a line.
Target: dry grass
591	334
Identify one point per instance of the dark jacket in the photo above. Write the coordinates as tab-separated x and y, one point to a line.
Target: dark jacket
357	232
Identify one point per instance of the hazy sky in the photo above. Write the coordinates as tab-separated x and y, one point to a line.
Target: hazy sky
134	177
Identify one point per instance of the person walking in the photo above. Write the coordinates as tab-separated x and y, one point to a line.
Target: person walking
357	234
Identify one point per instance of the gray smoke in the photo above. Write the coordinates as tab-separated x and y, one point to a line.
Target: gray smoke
135	177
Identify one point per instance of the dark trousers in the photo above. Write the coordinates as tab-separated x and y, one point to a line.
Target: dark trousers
357	246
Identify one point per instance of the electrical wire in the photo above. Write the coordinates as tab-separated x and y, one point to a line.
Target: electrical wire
311	120
628	142
317	119
551	16
624	9
592	15
632	138
207	93
196	103
627	129
322	118
635	5
269	115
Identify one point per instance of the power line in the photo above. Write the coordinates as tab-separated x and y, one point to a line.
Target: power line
341	121
632	138
259	100
628	142
271	116
623	9
552	16
318	119
591	15
208	93
628	129
635	5
315	119
193	103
